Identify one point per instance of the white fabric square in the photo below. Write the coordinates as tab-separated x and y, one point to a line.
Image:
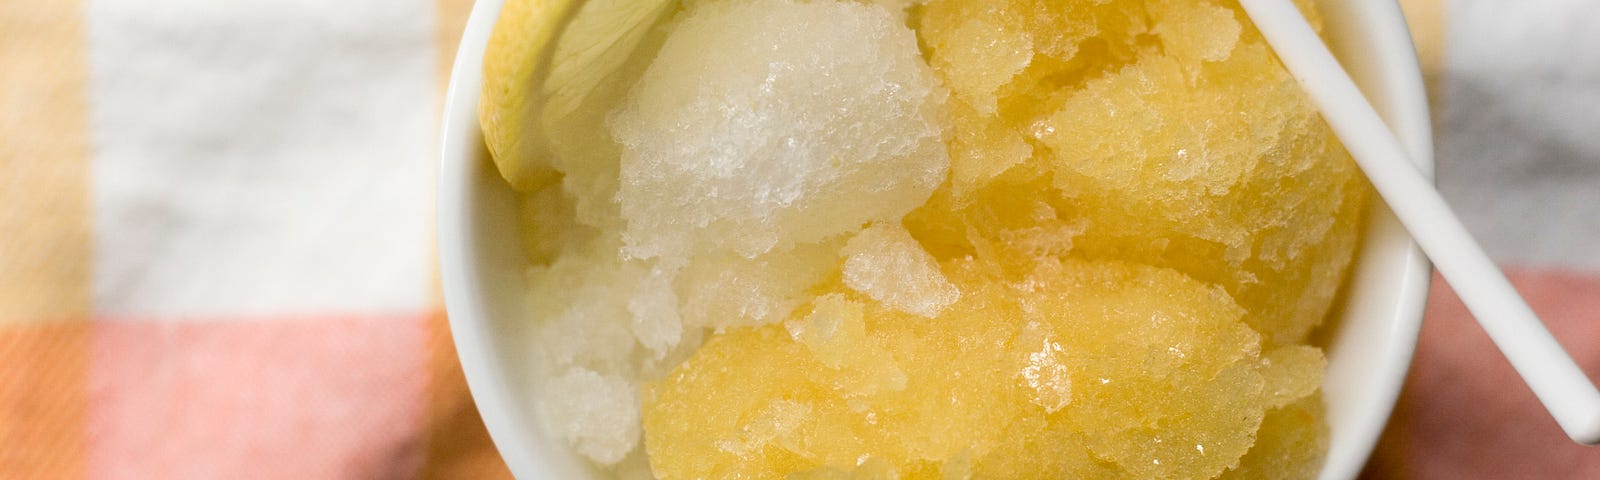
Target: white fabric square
1519	159
259	157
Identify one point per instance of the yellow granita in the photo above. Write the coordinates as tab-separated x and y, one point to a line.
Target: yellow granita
1291	444
1176	140
1073	369
953	239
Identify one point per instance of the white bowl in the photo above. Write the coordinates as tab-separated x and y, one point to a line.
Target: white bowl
482	264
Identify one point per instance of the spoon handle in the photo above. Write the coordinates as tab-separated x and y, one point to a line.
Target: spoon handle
1558	382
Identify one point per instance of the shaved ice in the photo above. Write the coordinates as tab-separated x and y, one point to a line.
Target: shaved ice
952	239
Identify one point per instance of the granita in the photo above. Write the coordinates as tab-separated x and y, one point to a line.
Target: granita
943	239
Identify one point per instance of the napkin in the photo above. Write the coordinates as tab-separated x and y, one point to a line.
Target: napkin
216	257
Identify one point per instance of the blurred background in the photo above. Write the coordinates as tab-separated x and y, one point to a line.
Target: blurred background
217	257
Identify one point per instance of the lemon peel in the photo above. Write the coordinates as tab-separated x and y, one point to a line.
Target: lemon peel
543	59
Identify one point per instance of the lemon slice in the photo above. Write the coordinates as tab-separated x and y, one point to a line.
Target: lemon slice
544	58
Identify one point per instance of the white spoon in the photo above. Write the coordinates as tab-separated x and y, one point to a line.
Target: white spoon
1555	379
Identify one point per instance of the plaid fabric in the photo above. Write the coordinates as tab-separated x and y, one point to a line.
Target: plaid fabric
216	258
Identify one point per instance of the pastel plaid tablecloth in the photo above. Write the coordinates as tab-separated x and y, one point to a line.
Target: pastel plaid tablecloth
216	257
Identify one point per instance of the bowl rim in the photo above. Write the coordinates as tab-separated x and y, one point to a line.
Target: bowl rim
459	145
461	154
1402	98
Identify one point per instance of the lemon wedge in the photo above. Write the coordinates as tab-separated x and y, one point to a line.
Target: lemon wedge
544	58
